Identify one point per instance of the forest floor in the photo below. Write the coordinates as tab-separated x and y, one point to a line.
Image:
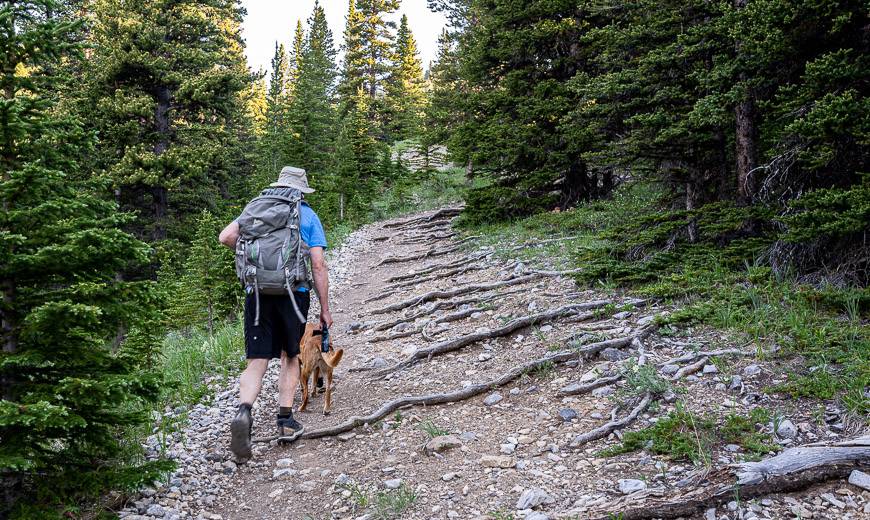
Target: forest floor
551	375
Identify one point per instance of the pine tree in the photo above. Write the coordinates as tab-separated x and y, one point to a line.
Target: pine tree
207	289
443	104
166	79
352	67
272	144
69	381
405	95
296	54
311	112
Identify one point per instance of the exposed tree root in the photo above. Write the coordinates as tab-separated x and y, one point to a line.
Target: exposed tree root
451	293
614	424
417	256
434	399
380	296
585	388
707	354
690	369
440	214
426	239
514	325
462	262
441	276
792	470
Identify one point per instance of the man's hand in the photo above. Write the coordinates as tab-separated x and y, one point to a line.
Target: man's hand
326	318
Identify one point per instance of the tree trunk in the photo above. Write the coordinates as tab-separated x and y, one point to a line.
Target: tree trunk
607	184
746	136
693	197
159	193
469	171
576	185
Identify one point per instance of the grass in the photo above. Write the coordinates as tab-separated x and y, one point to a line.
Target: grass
431	429
683	435
385	505
818	331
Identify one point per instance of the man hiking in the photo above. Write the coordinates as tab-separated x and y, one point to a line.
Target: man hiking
275	238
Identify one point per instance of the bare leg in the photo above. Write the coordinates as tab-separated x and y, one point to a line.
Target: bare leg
251	380
288	380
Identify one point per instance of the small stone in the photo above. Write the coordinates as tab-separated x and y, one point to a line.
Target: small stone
394	483
156	510
468	436
497	461
532	498
447	477
603	391
306	487
621	315
515	391
786	430
284	463
493	399
711	369
378	362
733	448
344	437
630	485
751	370
342	479
645	320
736	383
536	515
710	514
596	415
613	354
442	443
670	369
732	506
508	449
568	414
860	479
283	473
486	356
831	499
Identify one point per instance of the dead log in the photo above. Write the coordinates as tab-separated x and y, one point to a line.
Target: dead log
451	293
792	470
509	328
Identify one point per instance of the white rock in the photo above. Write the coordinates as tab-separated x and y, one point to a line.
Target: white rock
284	463
493	399
447	477
711	369
630	485
497	461
860	479
284	473
393	483
786	430
751	370
532	498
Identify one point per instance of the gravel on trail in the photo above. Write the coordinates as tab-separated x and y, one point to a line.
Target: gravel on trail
503	454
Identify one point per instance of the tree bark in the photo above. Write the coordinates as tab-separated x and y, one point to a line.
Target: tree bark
746	137
159	194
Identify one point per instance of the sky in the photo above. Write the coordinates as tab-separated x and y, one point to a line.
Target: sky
268	21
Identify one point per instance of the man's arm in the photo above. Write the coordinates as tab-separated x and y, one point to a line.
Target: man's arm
230	235
321	283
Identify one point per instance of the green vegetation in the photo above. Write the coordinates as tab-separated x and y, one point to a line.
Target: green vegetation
431	429
683	435
385	505
821	327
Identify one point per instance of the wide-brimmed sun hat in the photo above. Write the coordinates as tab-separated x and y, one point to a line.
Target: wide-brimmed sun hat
293	177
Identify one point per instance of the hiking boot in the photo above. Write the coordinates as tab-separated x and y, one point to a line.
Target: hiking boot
288	426
240	434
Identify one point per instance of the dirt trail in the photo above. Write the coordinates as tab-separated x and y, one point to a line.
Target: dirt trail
514	451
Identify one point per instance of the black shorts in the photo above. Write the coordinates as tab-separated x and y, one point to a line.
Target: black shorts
279	327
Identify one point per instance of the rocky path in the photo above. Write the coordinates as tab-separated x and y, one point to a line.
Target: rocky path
527	447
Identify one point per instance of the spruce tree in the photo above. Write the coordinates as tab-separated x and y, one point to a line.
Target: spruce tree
352	66
272	144
297	51
311	111
74	371
405	95
166	79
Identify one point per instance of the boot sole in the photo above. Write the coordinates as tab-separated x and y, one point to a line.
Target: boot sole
240	438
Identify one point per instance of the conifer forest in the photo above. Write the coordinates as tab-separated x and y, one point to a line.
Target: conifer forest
586	261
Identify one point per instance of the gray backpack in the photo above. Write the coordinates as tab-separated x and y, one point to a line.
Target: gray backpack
270	253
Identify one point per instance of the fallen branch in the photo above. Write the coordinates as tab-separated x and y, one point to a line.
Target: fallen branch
514	325
457	291
792	470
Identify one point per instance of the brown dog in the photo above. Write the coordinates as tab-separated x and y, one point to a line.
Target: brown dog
313	361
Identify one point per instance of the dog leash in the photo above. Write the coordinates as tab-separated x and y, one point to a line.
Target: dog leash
324	346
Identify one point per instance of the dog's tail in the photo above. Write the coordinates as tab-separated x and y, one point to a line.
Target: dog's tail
333	359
